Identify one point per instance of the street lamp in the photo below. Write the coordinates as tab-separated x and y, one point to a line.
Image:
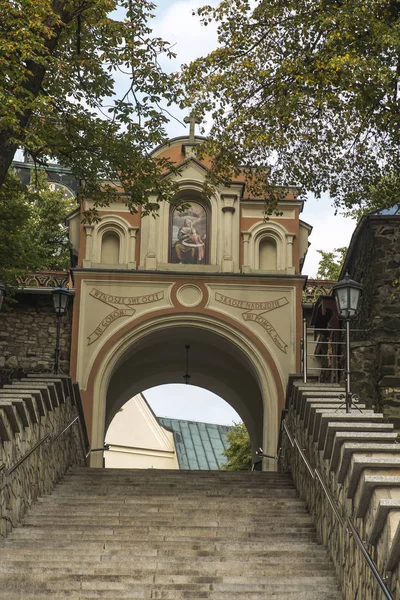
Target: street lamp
186	376
347	293
2	294
60	305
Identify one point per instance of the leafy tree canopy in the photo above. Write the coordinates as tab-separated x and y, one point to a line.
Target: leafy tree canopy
238	453
330	265
33	235
59	60
309	88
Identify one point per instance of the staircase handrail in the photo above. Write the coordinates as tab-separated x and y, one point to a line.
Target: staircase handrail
51	437
346	523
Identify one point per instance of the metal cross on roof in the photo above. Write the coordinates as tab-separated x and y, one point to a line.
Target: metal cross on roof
192	120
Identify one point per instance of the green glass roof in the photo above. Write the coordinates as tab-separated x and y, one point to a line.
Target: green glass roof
198	445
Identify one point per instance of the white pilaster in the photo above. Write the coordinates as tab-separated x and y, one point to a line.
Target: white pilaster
132	247
87	261
289	253
246	261
228	209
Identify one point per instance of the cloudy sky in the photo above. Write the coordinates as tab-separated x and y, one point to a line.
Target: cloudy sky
174	22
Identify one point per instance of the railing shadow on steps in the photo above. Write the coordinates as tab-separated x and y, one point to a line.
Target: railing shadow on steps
36	470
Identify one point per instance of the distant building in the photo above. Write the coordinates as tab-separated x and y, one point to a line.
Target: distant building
141	440
59	177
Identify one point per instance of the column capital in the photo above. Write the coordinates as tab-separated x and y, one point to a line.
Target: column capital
228	209
228	200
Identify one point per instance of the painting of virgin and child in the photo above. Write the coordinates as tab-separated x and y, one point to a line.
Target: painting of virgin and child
189	235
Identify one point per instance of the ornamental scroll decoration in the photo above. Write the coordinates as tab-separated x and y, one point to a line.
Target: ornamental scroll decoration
123	306
252	313
44	279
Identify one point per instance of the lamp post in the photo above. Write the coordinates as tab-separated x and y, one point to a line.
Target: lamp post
186	376
2	294
60	305
347	293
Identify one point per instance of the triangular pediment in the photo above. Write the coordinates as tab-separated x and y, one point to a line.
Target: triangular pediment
189	167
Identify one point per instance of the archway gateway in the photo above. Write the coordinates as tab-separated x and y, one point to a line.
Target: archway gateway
130	333
215	274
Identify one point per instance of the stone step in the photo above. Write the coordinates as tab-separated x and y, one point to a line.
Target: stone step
346	437
174	583
327	434
119	559
167	535
180	547
224	571
265	595
324	415
348	449
287	594
380	465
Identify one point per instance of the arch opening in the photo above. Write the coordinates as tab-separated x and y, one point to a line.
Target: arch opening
173	426
217	364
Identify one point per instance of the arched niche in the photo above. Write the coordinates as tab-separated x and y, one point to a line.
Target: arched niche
110	248
268	248
268	254
113	243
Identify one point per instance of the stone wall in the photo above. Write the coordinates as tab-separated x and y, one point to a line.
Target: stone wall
374	261
28	336
357	457
31	411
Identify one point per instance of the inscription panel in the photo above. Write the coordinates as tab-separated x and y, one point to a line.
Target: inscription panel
116	302
269	311
106	307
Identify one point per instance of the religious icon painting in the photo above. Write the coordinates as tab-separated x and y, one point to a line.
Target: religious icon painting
189	235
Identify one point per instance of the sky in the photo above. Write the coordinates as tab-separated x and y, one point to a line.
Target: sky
174	22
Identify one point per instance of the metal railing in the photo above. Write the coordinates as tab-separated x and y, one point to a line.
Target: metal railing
329	343
345	522
51	438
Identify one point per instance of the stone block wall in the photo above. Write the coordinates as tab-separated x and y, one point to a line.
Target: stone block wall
31	411
28	336
374	261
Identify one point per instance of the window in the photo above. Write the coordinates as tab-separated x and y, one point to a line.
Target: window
110	248
189	235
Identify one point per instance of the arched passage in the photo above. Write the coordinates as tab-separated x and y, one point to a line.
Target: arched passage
220	361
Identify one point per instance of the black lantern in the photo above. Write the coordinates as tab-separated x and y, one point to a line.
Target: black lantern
2	294
60	300
186	376
60	305
347	293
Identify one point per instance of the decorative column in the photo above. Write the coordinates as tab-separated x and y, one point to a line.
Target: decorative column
228	209
246	260
87	261
289	253
132	247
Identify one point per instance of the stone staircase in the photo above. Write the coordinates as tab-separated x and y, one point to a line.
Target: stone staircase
167	534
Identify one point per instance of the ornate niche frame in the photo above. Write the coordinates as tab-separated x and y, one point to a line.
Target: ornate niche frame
189	236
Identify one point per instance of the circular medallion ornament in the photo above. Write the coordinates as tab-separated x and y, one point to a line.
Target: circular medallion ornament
189	295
